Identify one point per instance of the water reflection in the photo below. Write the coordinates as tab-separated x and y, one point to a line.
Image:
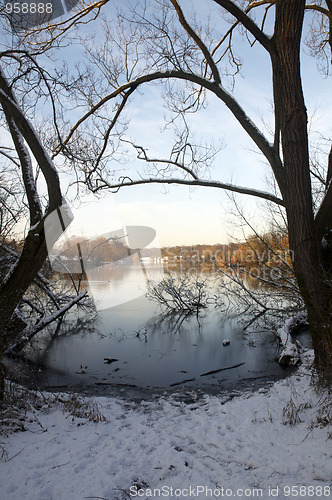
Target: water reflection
111	286
149	347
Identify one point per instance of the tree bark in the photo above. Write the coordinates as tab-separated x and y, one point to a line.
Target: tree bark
291	117
33	256
13	288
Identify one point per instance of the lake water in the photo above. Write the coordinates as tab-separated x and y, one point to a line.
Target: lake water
149	349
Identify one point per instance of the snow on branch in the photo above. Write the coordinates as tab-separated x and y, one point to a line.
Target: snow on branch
43	324
197	182
290	354
45	163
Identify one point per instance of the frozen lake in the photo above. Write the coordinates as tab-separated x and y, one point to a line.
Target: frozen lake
147	348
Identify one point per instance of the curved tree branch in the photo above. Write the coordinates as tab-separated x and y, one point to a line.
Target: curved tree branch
320	9
256	135
236	23
142	155
35	207
197	182
110	128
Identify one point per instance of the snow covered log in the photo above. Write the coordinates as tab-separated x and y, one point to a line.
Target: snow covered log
44	323
291	349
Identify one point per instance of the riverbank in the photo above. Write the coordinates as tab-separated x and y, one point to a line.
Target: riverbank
204	447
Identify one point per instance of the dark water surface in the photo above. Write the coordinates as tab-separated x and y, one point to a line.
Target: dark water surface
148	349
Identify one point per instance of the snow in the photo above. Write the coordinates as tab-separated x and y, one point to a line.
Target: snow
202	447
290	354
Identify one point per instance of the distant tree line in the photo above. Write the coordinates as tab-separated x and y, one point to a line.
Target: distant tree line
94	251
269	248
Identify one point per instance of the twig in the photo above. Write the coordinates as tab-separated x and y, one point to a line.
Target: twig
61	465
182	382
221	369
101	498
11	458
124	491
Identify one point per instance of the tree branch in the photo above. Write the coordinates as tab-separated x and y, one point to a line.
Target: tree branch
62	27
110	128
10	158
234	25
35	208
254	133
329	169
329	5
197	40
319	8
262	143
26	129
198	182
44	323
323	219
142	155
248	23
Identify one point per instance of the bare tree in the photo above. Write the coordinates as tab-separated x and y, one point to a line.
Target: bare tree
186	294
30	181
159	42
24	158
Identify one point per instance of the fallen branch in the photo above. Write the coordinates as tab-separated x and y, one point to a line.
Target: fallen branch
182	382
221	369
43	324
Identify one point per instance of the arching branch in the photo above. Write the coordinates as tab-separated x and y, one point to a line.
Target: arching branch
126	181
320	9
256	135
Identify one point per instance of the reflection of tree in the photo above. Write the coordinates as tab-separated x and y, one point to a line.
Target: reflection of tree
109	273
95	251
170	322
258	306
80	322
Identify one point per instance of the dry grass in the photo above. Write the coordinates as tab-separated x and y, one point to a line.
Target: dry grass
21	406
323	416
79	406
320	415
291	412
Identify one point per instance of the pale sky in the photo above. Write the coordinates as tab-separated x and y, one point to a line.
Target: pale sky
182	215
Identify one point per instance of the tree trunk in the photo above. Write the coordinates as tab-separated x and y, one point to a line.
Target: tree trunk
291	126
16	283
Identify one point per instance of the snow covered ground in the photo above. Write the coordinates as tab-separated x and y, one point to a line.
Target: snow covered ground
166	448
